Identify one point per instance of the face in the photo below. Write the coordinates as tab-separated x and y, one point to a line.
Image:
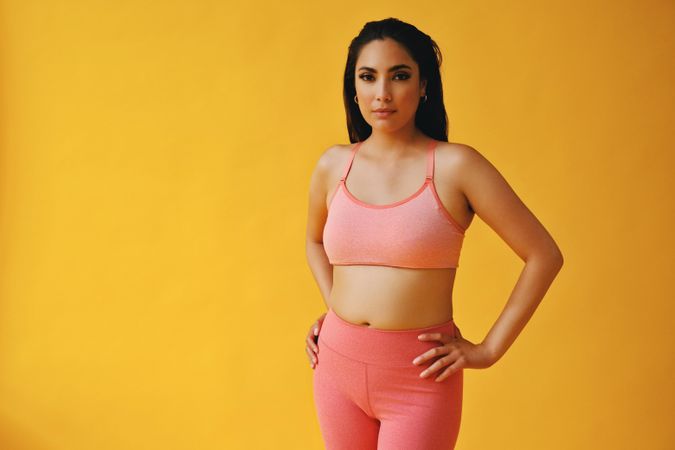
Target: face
387	77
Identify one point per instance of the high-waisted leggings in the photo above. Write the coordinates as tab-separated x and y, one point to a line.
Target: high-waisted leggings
369	395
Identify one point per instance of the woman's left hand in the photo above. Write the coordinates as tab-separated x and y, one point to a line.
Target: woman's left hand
459	354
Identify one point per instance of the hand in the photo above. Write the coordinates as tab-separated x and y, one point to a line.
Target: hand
312	348
459	352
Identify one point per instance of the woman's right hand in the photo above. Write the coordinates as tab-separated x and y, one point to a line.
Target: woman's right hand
311	340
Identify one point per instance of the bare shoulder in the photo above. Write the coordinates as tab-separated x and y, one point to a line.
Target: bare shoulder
332	156
449	168
491	197
463	163
331	162
339	152
325	171
325	163
455	163
456	153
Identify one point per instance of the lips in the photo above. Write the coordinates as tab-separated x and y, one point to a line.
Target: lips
383	113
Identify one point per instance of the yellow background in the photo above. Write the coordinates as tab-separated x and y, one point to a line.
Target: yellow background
155	160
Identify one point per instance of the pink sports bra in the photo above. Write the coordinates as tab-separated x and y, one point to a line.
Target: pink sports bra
416	232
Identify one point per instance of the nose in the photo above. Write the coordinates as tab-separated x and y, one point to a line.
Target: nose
382	92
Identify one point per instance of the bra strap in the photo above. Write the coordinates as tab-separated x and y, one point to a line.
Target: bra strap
351	159
430	159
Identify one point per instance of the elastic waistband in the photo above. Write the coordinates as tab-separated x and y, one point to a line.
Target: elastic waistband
377	346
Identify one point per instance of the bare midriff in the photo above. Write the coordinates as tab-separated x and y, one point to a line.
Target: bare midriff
392	298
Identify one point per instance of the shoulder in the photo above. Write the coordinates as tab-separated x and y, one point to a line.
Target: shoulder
328	165
465	166
330	157
333	158
457	152
456	158
474	174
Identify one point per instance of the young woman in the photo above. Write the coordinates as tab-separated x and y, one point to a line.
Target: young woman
387	218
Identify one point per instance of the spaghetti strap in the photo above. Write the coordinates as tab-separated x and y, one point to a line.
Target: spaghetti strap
431	151
349	163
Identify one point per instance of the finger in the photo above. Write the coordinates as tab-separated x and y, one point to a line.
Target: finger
439	363
312	340
430	354
312	357
311	343
314	330
450	370
442	337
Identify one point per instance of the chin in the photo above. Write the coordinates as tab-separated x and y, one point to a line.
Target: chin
385	126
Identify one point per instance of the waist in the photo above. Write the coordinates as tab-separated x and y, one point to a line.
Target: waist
394	297
393	306
377	346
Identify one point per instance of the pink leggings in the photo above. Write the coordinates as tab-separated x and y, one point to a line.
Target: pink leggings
368	393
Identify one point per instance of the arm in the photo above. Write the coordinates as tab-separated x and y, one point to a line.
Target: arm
491	197
321	269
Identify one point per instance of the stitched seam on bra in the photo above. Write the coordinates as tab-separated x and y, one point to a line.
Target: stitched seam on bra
408	199
445	213
428	182
332	197
370	263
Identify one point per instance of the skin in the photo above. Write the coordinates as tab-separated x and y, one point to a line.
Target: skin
389	166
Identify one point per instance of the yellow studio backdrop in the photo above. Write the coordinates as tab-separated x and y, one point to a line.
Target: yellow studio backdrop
155	163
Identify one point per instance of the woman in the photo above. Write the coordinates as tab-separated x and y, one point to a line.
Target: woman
384	247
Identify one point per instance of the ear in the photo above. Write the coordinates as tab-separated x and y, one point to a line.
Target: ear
423	87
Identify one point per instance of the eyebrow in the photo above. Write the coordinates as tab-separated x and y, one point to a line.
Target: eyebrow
391	69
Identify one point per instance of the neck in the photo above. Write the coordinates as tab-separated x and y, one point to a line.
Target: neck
395	145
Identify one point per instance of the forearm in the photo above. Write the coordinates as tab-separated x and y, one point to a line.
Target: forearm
533	283
321	269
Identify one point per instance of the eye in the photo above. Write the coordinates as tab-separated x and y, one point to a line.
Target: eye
404	75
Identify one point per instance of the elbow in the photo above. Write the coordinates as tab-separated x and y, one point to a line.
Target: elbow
553	255
558	257
550	257
556	261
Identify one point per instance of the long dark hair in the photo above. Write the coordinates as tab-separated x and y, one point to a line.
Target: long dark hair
431	117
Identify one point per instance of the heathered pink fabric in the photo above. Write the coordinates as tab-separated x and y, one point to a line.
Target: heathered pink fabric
416	232
369	395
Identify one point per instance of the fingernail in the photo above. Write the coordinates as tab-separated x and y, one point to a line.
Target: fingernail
316	331
420	336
